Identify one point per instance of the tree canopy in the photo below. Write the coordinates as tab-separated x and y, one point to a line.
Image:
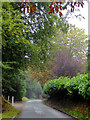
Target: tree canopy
54	6
27	42
75	42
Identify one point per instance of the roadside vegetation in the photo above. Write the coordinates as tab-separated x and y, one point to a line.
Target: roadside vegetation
8	111
69	94
25	99
79	109
76	87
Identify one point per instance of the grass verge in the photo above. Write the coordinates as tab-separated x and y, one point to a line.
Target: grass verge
79	110
8	111
0	116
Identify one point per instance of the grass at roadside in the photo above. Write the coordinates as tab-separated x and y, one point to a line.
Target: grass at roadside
9	114
0	116
8	111
79	110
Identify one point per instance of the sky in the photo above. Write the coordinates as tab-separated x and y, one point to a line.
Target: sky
83	23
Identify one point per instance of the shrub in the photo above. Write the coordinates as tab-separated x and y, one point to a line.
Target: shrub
64	86
24	99
79	84
55	86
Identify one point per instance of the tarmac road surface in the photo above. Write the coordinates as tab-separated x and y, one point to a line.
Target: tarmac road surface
36	109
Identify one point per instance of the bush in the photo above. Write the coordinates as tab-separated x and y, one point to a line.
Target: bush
79	84
24	99
55	86
64	86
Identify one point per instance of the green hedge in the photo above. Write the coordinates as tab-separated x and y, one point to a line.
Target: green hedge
76	86
25	99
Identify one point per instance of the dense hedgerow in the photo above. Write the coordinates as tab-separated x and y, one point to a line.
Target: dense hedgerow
76	86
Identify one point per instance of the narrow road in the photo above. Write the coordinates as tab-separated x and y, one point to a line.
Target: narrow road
36	109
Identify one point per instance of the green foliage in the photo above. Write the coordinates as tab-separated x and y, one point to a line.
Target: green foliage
14	84
8	111
53	86
14	41
14	49
26	40
20	48
24	99
78	111
42	29
76	86
33	89
75	42
80	83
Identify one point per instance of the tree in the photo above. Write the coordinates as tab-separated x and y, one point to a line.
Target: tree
41	75
13	84
33	89
22	46
14	42
42	28
75	42
15	49
27	40
54	7
66	65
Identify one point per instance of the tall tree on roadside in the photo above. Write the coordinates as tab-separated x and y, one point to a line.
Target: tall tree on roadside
66	65
25	41
75	42
42	27
42	76
15	49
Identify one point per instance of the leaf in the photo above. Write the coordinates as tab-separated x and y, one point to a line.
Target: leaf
22	4
58	2
24	10
33	7
31	10
56	8
52	10
60	7
60	14
51	5
27	9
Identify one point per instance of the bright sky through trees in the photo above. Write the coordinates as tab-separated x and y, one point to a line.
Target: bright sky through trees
83	23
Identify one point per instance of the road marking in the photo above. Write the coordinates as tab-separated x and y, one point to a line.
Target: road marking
38	110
